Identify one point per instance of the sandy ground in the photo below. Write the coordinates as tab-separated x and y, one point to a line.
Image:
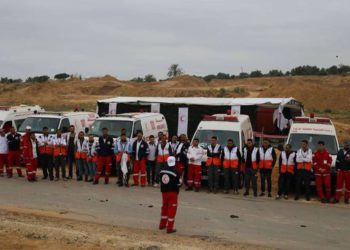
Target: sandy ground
36	229
70	215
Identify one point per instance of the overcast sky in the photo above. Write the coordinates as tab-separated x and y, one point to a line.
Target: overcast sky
128	38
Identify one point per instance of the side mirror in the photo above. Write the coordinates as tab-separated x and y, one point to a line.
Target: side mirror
86	130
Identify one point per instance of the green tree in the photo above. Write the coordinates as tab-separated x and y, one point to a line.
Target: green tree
333	70
174	70
208	78
222	76
61	76
305	70
137	79
275	72
243	75
256	73
150	78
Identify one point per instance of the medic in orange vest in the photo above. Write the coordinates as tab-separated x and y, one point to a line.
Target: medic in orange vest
163	151
322	161
250	163
304	168
267	162
231	162
46	153
60	154
213	163
287	166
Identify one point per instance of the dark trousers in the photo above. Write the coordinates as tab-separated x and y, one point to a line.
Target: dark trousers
46	165
60	163
159	167
284	181
151	172
250	176
213	177
303	177
71	159
265	175
231	175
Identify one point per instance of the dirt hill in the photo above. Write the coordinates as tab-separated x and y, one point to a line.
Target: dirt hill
326	95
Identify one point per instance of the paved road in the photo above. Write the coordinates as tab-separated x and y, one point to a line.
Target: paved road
263	221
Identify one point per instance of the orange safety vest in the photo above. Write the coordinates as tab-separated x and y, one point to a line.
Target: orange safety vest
230	158
287	165
163	154
80	154
254	152
216	161
92	159
301	164
266	158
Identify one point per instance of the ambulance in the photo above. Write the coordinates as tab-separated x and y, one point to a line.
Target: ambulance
59	120
314	129
14	116
148	123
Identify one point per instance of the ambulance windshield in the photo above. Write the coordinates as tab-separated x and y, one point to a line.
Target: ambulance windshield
114	127
38	123
204	137
313	139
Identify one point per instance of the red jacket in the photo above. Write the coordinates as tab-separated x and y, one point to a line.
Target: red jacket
26	147
322	160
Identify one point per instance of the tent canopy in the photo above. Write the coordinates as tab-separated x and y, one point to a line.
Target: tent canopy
208	101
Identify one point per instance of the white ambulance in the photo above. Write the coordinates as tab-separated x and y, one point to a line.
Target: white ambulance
148	123
314	129
59	120
14	116
224	127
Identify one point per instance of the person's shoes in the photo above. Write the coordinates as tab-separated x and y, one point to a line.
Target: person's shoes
156	185
143	186
323	200
278	197
162	228
346	201
126	185
51	179
236	192
209	191
119	184
44	178
255	194
246	194
90	180
79	179
285	197
134	185
171	231
20	175
262	194
307	198
196	190
95	182
215	191
296	198
65	179
106	182
225	191
86	178
188	189
57	179
269	195
70	177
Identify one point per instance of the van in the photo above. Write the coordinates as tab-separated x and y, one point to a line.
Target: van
224	127
59	120
14	116
314	129
148	123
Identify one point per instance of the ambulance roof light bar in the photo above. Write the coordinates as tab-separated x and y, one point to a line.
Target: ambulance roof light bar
312	119
226	118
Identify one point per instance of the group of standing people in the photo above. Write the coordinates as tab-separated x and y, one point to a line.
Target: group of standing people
144	160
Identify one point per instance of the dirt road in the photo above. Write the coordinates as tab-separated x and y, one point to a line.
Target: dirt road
43	212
